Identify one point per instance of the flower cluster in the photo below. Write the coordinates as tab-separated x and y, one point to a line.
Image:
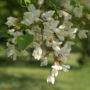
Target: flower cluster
52	34
54	72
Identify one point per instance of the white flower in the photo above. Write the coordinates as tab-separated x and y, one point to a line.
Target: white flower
68	24
82	34
78	12
17	33
11	51
37	53
40	2
11	31
49	42
47	33
36	12
53	24
44	61
56	30
67	4
72	32
28	18
11	21
50	79
54	72
48	15
14	33
62	27
35	31
57	67
56	48
68	44
55	45
65	68
65	50
66	15
62	34
31	16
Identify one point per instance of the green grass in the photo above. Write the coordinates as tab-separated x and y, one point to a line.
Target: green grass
26	76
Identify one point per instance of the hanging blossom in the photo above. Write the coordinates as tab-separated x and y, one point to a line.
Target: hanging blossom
37	53
31	16
11	21
44	61
82	34
67	4
50	35
78	12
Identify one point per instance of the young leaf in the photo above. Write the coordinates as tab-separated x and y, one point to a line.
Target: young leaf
23	41
25	2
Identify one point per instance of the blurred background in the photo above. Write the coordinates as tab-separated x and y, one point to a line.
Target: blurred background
25	74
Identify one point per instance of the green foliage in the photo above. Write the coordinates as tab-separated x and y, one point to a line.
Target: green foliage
78	3
4	34
23	41
26	2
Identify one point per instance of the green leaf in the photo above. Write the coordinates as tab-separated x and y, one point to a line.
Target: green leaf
23	41
4	34
25	2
